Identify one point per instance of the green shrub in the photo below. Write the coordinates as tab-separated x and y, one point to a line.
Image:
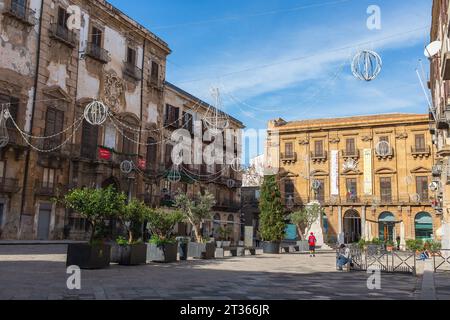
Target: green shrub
414	245
156	240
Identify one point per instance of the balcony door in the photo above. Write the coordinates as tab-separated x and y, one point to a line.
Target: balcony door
43	230
89	141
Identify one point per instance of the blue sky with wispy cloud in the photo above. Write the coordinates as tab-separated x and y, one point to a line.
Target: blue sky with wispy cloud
291	58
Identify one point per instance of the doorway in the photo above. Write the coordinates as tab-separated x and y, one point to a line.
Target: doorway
352	226
386	226
45	214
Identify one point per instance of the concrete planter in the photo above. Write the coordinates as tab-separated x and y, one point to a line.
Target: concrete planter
183	250
303	246
202	250
87	256
166	253
271	247
132	255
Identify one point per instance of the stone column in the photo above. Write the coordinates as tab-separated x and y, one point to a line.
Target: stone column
363	222
340	229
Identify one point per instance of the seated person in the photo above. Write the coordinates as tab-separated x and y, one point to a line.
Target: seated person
344	256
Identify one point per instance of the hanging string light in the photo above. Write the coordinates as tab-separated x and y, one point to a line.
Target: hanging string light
214	119
174	174
126	166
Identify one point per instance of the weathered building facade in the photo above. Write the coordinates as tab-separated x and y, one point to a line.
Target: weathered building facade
439	85
371	174
49	73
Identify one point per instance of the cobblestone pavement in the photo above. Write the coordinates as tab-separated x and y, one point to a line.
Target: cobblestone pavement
38	272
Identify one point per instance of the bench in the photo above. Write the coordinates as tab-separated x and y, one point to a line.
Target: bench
235	251
291	248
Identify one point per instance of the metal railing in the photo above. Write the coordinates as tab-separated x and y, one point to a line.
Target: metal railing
350	153
132	71
9	185
319	155
63	34
421	151
96	52
20	12
45	189
441	260
289	156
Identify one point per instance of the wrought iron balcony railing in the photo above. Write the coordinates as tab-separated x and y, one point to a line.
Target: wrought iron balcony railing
421	151
132	71
289	157
9	185
63	35
45	189
22	13
96	52
319	156
346	154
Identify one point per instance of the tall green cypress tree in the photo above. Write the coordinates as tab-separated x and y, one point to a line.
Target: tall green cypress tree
272	222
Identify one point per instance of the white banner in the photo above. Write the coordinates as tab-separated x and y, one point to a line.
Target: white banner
368	190
334	173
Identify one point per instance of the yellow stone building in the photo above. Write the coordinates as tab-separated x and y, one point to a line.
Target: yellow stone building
372	174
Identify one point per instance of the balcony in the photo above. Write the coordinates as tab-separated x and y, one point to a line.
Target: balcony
353	199
172	123
289	157
319	156
9	185
20	13
155	83
421	152
132	71
96	52
62	34
45	189
227	206
446	66
350	154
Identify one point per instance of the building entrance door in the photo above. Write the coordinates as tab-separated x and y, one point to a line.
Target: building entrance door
352	226
43	230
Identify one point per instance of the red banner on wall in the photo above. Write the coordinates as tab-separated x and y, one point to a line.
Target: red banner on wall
104	154
142	164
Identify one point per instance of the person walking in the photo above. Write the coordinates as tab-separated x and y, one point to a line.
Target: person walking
312	245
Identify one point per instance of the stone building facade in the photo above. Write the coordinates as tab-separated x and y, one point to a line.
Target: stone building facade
371	174
49	73
439	85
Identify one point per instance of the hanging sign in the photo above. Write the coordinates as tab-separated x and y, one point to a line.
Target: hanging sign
334	172
104	154
368	189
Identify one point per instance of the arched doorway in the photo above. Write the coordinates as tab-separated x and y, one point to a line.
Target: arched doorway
424	226
386	225
352	226
111	181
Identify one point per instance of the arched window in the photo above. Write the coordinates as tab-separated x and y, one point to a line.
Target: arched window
424	226
386	225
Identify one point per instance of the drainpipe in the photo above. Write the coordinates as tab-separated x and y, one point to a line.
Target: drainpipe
36	81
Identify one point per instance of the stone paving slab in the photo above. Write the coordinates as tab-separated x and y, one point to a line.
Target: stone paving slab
39	272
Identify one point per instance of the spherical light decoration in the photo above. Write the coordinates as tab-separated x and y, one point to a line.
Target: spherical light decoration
236	165
383	149
415	198
231	183
316	185
96	113
126	167
4	136
366	65
174	176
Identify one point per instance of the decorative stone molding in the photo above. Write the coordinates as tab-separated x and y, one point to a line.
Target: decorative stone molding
303	142
335	140
113	90
367	138
402	136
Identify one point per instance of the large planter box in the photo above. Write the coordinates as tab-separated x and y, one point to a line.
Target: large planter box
271	247
132	255
202	250
303	246
115	253
166	253
87	256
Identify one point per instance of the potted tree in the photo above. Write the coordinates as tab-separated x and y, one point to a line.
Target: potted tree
390	245
132	251
195	212
94	205
272	222
304	220
162	247
224	236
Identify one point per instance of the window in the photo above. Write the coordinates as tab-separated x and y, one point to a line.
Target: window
420	143
151	153
131	56
54	122
320	193
62	18
48	180
289	149
422	188
350	146
154	75
2	169
352	190
128	144
289	190
172	116
168	156
110	136
386	189
89	140
318	148
424	226
13	107
19	7
188	122
96	37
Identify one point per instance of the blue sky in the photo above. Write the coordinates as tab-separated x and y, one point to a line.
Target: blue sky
291	58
